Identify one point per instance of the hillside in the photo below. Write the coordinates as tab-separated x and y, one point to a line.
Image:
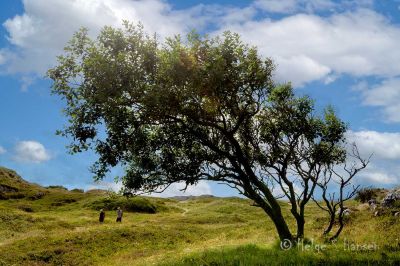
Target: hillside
12	186
61	227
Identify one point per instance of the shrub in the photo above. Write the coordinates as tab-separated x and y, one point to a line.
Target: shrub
140	205
25	208
135	204
62	202
77	190
366	194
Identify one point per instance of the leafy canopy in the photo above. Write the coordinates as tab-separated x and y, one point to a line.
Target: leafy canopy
186	110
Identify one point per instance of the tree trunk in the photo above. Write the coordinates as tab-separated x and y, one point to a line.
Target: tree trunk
277	218
341	225
272	208
330	225
300	227
281	226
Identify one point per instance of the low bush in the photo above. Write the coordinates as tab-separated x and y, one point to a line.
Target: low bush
366	194
61	202
25	208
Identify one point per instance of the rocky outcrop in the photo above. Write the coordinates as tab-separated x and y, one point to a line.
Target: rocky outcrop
389	205
391	198
5	188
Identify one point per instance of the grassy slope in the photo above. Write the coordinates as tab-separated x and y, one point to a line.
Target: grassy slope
195	232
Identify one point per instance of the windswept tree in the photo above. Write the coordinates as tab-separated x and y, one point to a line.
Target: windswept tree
194	109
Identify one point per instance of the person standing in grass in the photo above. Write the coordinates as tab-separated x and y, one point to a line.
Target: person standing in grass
119	214
102	216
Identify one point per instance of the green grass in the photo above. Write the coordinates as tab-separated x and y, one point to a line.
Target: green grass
62	228
259	255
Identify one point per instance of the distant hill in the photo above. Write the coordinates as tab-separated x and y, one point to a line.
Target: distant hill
29	197
13	186
190	197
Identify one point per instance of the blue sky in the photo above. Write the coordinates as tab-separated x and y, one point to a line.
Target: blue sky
344	53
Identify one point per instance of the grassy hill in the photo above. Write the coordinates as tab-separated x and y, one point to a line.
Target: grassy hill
53	226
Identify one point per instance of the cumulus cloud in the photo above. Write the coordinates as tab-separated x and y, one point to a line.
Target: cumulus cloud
41	32
385	95
384	166
2	150
31	152
110	186
383	145
201	188
378	177
308	47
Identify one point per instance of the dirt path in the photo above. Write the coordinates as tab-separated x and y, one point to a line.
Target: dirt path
185	209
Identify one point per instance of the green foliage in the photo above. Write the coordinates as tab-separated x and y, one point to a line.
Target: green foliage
366	194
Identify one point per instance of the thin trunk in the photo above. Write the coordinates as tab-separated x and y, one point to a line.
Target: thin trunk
341	225
330	225
300	227
300	221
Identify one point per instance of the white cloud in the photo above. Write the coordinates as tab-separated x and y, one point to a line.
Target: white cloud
384	164
236	15
383	145
175	189
44	29
308	47
2	150
377	177
31	152
299	69
111	186
385	95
